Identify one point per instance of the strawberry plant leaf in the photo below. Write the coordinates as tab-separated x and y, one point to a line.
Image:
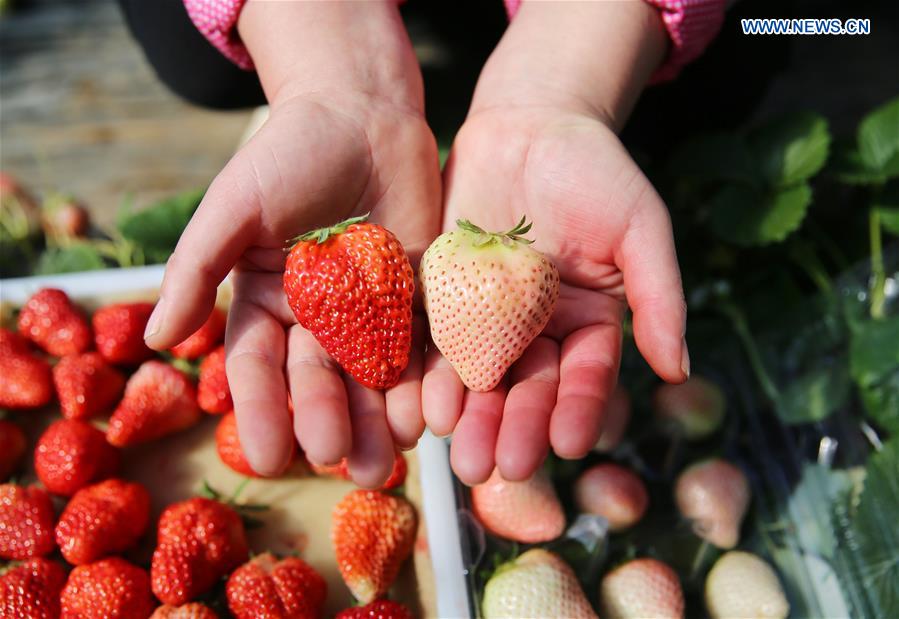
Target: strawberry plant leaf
791	148
887	205
881	402
849	167
157	228
815	395
69	259
889	219
878	137
745	218
874	350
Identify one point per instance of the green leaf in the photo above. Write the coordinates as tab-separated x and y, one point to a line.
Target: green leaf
849	167
69	259
743	217
887	205
874	350
815	395
881	402
878	136
889	219
818	487
791	148
714	158
157	228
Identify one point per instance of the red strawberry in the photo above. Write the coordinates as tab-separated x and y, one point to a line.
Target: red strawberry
86	385
642	588
379	609
488	295
63	218
342	470
103	519
204	339
696	408
13	343
267	587
614	424
193	610
213	393
713	495
51	320
227	444
108	588
159	400
26	522
351	285
537	583
72	454
31	590
525	511
373	533
119	330
27	381
13	445
198	541
613	492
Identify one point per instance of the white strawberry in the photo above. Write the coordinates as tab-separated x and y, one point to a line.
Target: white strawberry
615	420
641	588
613	492
488	295
525	511
714	495
537	584
695	407
740	584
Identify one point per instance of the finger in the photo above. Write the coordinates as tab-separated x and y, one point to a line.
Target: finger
321	414
474	439
523	440
404	399
588	372
653	287
254	363
442	393
371	459
219	231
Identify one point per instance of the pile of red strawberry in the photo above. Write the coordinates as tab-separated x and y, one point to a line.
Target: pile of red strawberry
101	367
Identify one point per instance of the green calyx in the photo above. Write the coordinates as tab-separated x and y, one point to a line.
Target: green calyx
323	234
484	238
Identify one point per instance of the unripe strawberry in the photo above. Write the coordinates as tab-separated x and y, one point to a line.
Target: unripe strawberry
740	584
696	407
536	584
488	295
613	492
351	286
641	588
714	495
64	218
614	424
524	511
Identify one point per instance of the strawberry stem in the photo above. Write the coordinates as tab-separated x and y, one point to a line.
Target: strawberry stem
320	235
515	234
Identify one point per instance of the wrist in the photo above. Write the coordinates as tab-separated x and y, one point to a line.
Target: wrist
358	48
592	58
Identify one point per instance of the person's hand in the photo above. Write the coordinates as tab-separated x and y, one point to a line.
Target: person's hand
346	136
548	151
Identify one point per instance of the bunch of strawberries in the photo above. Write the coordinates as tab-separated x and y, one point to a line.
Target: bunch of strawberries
100	366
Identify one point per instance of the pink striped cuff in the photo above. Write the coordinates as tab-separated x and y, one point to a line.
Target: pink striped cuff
691	26
217	21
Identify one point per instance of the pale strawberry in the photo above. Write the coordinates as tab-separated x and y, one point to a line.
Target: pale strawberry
614	423
525	511
613	492
741	584
86	385
641	588
713	495
159	400
695	408
373	533
487	295
536	584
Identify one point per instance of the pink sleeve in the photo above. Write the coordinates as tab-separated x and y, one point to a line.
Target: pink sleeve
691	26
217	21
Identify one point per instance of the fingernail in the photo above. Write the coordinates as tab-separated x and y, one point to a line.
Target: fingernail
155	321
685	359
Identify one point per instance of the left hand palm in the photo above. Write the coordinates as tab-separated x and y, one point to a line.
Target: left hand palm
597	217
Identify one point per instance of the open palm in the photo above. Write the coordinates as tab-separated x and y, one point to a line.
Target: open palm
312	164
599	220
